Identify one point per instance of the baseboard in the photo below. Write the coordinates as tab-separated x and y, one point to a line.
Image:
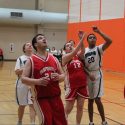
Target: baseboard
9	60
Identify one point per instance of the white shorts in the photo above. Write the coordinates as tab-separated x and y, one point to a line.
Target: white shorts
95	88
23	94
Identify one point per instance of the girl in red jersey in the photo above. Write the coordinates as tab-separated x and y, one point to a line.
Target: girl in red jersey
43	72
75	81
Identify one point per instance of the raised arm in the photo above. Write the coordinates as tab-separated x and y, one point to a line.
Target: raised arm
107	39
67	57
82	50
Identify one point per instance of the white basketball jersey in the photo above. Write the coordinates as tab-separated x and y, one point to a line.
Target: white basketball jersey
93	58
21	61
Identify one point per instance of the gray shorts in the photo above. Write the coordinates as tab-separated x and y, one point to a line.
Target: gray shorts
23	94
95	88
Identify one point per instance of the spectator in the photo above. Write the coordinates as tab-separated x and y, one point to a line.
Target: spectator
1	54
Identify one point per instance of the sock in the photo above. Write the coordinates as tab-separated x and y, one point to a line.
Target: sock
32	123
19	123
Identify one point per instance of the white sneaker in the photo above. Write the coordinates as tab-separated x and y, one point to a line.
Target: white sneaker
105	123
32	123
19	123
91	123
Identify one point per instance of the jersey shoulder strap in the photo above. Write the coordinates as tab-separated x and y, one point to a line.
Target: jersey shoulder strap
99	57
21	63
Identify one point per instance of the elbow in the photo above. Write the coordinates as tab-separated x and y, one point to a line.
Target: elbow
61	79
110	41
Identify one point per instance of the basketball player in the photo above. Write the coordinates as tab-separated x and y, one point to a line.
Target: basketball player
43	72
23	94
93	58
75	80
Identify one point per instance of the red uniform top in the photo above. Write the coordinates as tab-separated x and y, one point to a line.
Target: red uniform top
76	76
44	68
1	52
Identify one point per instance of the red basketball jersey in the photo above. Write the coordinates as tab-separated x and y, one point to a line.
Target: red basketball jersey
76	76
44	68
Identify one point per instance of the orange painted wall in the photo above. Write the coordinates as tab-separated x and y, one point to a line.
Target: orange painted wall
114	56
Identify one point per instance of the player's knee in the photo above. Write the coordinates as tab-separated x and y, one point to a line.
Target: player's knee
22	106
90	101
98	101
68	109
80	106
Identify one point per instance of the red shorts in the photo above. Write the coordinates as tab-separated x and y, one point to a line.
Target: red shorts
72	93
50	111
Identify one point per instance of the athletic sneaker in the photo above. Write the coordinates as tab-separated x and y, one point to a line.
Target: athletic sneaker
32	123
19	123
105	123
91	123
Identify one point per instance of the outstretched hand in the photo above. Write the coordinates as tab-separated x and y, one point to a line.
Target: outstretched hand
81	35
95	29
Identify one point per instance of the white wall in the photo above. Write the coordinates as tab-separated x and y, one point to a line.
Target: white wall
60	6
18	4
90	10
74	11
19	34
112	9
55	34
16	35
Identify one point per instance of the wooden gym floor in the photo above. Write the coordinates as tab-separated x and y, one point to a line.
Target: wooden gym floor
113	100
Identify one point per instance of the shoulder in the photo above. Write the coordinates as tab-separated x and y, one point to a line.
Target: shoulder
99	47
22	57
87	48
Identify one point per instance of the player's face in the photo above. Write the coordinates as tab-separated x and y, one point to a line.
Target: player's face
72	42
68	47
41	41
92	40
28	47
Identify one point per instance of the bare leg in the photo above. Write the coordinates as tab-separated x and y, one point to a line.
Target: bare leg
69	107
80	105
20	113
32	114
100	108
90	109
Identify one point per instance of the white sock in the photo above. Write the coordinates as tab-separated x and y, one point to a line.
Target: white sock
91	123
104	122
32	123
19	123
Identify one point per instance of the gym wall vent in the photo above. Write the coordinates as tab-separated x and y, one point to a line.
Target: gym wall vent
16	14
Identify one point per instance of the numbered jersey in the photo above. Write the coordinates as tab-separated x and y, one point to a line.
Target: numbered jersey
93	58
75	75
44	68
